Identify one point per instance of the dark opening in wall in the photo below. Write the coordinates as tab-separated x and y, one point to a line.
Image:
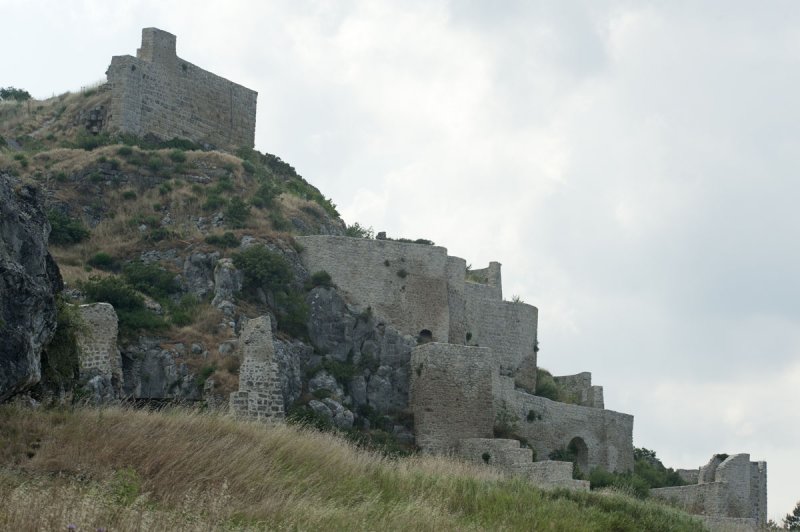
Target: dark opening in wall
424	336
577	446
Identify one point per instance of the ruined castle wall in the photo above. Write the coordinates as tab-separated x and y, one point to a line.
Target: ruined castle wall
405	284
581	388
508	328
98	342
456	300
450	395
159	93
259	396
731	488
707	499
550	425
758	491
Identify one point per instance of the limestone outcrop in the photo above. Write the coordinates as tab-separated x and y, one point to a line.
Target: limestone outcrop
29	282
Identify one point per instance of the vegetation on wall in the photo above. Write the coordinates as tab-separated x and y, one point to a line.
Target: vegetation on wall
61	356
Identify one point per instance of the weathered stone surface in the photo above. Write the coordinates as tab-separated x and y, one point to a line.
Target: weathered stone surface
198	273
227	281
291	358
100	355
158	93
325	381
729	487
29	281
150	372
259	396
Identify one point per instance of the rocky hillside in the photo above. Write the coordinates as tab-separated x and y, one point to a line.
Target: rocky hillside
186	242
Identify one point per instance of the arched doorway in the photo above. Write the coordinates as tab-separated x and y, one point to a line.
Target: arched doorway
424	337
577	447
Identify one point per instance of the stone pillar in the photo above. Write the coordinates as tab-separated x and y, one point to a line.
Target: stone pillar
259	396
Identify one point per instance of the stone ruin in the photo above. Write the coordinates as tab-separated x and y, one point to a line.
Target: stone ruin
158	93
259	396
100	361
729	492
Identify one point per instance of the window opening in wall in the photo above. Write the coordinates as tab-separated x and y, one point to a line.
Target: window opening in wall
424	337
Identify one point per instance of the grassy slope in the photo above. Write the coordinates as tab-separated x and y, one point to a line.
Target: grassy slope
131	470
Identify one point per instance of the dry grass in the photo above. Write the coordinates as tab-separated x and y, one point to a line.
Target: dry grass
181	470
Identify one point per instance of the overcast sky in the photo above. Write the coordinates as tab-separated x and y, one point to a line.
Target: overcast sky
633	166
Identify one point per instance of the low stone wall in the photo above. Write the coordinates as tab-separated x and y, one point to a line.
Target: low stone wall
259	396
450	395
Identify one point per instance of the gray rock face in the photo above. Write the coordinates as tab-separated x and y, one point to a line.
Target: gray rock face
325	381
350	335
198	273
227	281
291	358
29	281
152	373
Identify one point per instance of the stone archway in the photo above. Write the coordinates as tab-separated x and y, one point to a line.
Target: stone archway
424	336
577	447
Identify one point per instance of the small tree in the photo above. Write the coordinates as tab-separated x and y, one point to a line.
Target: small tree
792	520
12	93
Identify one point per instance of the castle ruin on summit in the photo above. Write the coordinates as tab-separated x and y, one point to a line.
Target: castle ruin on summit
158	93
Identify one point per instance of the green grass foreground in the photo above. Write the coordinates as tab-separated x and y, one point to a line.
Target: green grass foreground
124	469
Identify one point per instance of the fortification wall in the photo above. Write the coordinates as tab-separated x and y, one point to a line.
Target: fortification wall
450	395
404	284
605	436
508	329
98	342
580	386
259	396
456	300
733	487
159	93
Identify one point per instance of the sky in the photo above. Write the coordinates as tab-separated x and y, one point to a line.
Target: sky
633	166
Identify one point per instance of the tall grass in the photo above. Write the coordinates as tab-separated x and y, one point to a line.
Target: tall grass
184	470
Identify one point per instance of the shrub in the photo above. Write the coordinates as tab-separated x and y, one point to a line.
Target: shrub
132	313
265	195
177	156
150	279
248	167
65	230
506	422
155	163
164	188
225	240
359	231
13	93
89	141
402	273
102	261
321	278
185	311
124	151
214	201
61	356
237	213
263	269
278	221
114	164
129	195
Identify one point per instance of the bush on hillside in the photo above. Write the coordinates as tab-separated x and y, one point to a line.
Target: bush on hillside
14	94
65	230
61	356
359	231
150	279
131	311
225	240
236	213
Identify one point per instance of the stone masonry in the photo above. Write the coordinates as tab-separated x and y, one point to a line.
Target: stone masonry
159	93
259	396
450	395
731	490
98	344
